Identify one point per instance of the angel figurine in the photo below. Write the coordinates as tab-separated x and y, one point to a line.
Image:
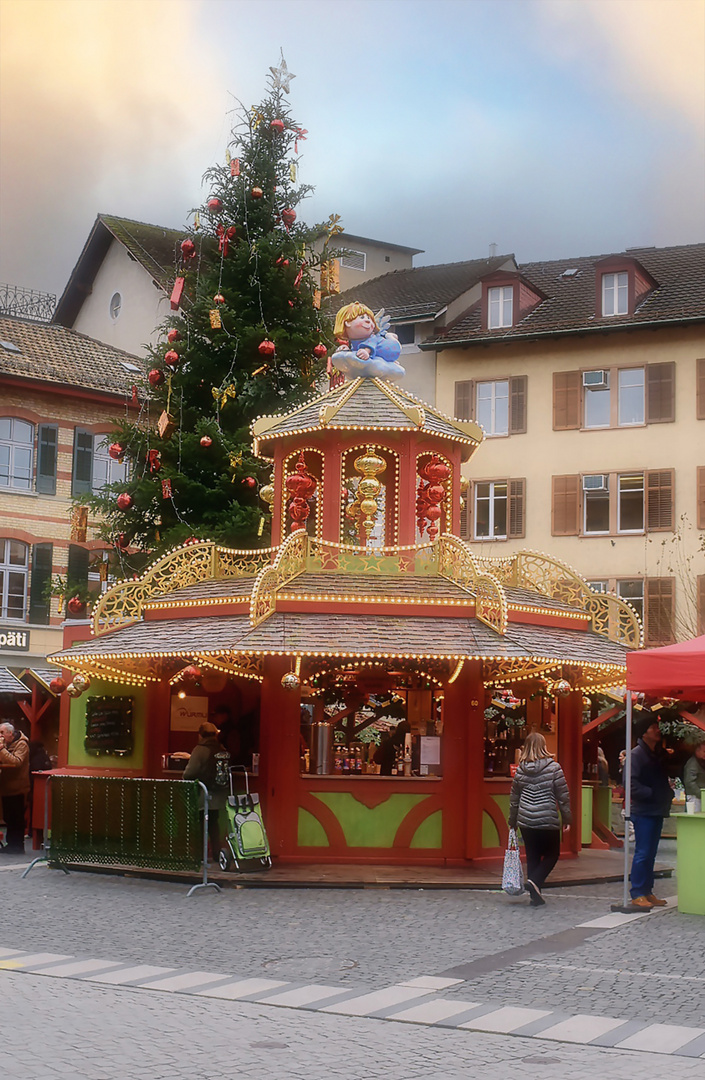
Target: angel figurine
366	348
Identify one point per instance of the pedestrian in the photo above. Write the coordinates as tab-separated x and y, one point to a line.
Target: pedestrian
651	799
694	778
14	785
202	765
539	790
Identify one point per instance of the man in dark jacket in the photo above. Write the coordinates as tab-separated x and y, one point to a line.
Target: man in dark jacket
14	785
652	796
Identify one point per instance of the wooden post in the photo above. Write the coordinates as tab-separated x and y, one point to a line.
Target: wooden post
570	757
280	718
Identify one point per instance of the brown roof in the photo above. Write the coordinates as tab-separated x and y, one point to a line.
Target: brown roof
54	354
421	291
679	295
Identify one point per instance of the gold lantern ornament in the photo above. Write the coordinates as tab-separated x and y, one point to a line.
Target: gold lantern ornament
291	681
368	464
266	494
562	688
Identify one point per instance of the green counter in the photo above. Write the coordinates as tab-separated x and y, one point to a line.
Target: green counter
690	832
586	821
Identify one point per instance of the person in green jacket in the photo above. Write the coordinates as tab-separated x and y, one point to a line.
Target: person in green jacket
694	778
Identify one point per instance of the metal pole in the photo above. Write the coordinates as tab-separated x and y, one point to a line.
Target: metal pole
46	842
627	796
205	884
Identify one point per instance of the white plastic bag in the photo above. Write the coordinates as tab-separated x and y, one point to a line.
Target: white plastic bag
512	877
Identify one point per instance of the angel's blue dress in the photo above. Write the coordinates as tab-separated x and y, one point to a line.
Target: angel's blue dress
382	363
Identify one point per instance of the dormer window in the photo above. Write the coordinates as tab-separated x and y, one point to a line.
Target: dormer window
615	294
500	307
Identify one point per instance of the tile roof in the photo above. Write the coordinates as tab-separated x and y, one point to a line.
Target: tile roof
155	247
10	685
366	404
570	300
423	290
54	354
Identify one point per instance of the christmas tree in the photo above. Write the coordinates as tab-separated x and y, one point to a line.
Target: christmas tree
246	338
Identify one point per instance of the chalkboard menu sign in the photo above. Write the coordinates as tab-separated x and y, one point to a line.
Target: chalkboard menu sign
109	726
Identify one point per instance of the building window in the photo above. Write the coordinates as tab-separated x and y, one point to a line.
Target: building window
406	332
600	586
596	503
16	453
631	397
115	305
354	260
491	510
630	503
106	470
493	407
596	396
615	294
14	561
633	593
500	306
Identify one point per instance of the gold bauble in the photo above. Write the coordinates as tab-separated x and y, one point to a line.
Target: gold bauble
562	688
370	463
81	681
368	507
368	487
73	691
291	681
464	483
267	493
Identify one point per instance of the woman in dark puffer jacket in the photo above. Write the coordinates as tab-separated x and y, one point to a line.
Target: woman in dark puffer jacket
539	791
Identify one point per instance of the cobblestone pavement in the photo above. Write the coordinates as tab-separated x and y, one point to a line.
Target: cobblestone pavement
651	970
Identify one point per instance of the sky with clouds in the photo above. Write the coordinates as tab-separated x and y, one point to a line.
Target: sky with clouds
552	128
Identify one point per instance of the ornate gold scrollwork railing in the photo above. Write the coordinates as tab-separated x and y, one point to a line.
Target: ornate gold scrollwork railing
457	563
291	560
186	566
609	615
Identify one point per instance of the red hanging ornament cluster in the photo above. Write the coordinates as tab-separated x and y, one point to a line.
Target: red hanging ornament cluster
430	494
301	487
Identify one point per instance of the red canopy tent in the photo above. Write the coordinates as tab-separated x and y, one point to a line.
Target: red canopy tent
676	671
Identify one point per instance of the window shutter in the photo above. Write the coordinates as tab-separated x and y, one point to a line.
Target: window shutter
700	389
464	400
47	443
565	508
660	485
466	515
659	611
82	462
701	604
660	393
517	514
39	602
701	496
77	570
517	405
566	400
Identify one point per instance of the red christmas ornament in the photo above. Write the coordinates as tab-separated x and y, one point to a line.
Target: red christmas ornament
171	358
177	292
166	489
76	606
116	451
288	217
191	673
257	193
218	298
215	204
301	485
235	167
156	377
153	459
124	501
121	541
266	347
57	686
319	351
249	482
206	441
173	336
188	249
299	511
277	125
224	238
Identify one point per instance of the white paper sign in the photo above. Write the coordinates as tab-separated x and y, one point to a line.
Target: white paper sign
430	750
188	713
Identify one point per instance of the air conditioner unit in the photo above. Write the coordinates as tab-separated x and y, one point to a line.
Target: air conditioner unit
596	482
596	380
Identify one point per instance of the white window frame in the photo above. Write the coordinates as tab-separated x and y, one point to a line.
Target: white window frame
21	570
15	448
599	585
500	307
615	294
631	476
345	260
115	471
595	493
493	397
622	376
492	499
639	606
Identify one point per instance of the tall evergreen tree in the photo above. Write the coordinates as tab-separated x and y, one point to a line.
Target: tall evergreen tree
246	338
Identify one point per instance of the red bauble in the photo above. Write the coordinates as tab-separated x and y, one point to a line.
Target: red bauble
433	513
299	510
188	249
121	541
156	377
320	351
249	482
435	471
206	441
215	204
57	685
288	217
277	125
116	450
191	673
171	358
435	493
218	298
76	606
257	193
266	347
173	336
124	501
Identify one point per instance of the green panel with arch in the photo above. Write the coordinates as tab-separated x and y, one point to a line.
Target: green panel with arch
369	826
311	832
430	832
